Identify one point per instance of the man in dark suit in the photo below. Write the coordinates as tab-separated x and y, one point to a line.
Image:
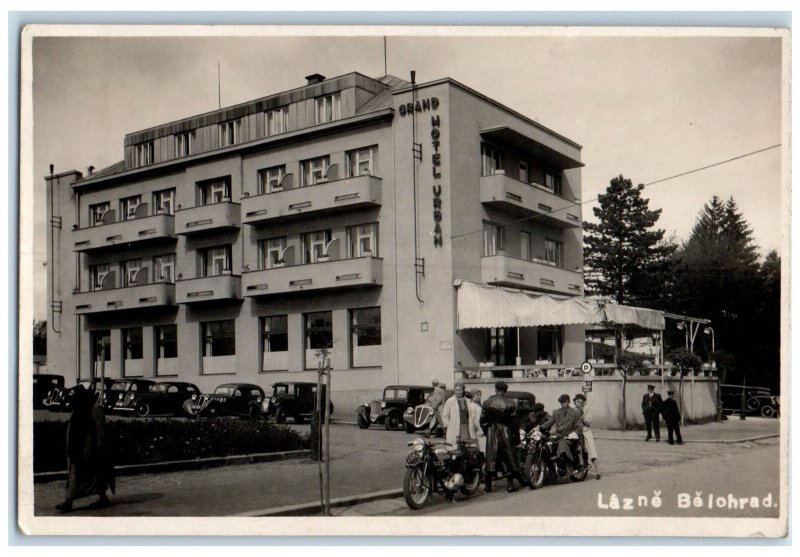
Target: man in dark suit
672	415
651	408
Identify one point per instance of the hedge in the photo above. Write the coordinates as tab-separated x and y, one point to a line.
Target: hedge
158	440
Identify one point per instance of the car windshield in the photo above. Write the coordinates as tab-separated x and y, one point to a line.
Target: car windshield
393	393
120	386
162	388
226	390
280	389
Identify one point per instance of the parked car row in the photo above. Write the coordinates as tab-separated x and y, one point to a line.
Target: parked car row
143	397
758	401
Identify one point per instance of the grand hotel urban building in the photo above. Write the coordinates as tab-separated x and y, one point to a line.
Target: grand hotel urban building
232	245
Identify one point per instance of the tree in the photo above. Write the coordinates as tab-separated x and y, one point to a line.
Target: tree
625	255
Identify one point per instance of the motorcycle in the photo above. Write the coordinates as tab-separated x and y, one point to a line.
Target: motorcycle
542	462
433	466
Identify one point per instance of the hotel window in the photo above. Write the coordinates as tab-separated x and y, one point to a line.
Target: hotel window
550	340
315	171
329	108
554	252
184	144
365	330
319	330
362	240
164	202
490	160
269	179
215	261
275	334
98	338
128	206
97	274
164	268
361	162
97	212
492	238
278	121
229	133
132	343
316	245
523	171
166	341
129	269
525	245
214	191
219	338
271	252
144	153
552	182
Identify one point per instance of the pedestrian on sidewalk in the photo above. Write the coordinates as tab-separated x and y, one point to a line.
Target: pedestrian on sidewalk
651	408
672	416
90	470
588	437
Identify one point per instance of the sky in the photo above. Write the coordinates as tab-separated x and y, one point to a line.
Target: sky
644	107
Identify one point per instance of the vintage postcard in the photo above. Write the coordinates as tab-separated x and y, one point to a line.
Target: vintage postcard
343	280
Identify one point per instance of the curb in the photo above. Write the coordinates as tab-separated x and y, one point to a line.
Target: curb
304	509
178	465
706	441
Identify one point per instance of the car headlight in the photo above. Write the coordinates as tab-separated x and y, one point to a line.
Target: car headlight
258	399
409	410
365	404
194	397
120	396
418	444
383	404
273	399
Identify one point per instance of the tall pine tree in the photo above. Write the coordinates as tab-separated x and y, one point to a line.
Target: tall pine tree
625	255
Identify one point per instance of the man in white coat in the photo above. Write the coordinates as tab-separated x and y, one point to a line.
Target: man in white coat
459	417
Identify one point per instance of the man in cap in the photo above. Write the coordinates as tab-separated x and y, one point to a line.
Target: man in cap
651	408
567	421
499	421
536	418
672	415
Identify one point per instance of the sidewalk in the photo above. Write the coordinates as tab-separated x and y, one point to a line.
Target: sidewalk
732	430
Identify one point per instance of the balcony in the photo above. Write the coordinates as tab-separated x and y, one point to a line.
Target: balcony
519	273
342	273
522	199
158	294
207	289
127	233
217	217
328	197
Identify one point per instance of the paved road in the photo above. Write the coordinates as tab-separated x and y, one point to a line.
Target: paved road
363	461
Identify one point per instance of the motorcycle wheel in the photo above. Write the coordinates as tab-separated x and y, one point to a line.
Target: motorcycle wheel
471	484
363	422
417	487
534	468
581	475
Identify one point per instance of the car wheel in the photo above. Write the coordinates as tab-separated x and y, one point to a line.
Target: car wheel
392	421
212	412
768	411
280	416
753	405
142	409
253	413
363	421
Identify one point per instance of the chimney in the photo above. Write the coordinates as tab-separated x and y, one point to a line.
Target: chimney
90	170
315	78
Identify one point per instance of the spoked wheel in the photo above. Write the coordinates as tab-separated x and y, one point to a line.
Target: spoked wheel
417	487
392	421
142	409
363	422
471	483
767	411
534	469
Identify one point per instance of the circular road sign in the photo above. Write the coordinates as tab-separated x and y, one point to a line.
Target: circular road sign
586	368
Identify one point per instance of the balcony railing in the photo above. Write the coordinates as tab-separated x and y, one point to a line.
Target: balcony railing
157	294
509	271
342	273
217	216
206	289
141	230
510	194
566	371
328	197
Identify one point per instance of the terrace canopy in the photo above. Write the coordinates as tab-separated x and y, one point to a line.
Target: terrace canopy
481	306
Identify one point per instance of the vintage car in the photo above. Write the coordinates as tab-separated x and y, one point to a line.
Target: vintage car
420	417
388	410
115	398
160	398
43	386
60	400
229	399
758	400
295	399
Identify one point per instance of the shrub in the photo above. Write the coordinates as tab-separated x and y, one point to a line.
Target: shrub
685	361
158	440
631	363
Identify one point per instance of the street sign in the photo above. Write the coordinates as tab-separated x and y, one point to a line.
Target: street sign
586	386
586	368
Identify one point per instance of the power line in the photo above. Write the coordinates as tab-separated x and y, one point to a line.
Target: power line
602	196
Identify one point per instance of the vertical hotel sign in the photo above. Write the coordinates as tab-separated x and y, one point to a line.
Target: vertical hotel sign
430	105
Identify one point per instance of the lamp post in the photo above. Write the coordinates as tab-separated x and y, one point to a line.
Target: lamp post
682	327
707	331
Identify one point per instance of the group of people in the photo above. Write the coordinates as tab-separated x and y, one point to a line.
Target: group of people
495	423
653	406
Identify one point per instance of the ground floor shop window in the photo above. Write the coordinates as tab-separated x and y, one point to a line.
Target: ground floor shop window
219	346
275	343
550	343
318	328
166	342
365	337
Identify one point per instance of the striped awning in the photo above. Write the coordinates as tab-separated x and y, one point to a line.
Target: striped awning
482	306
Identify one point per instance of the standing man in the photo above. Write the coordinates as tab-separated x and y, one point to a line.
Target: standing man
672	415
499	420
588	437
436	399
459	417
651	408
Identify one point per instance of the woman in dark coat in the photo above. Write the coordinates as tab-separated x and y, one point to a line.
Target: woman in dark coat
89	468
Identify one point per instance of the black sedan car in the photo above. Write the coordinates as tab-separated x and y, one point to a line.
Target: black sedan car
122	391
60	400
293	399
161	398
389	409
230	399
43	386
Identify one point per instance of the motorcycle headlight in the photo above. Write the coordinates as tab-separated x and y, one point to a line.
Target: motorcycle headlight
537	435
418	444
522	435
